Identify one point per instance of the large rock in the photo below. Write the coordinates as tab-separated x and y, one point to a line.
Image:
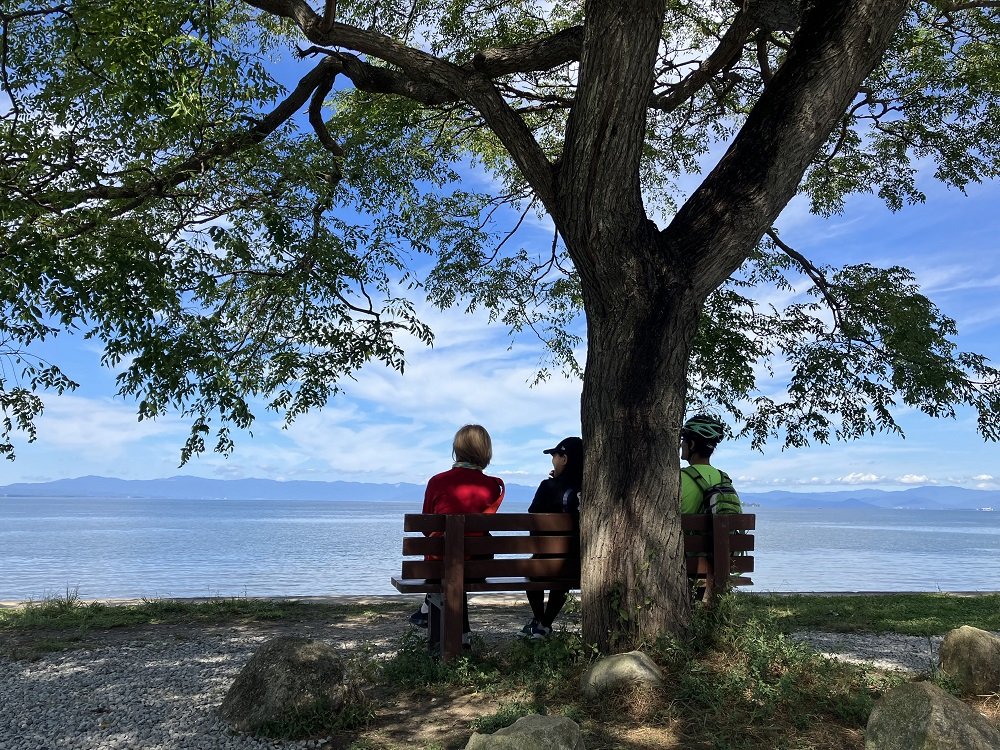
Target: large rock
971	657
532	732
291	687
620	671
922	716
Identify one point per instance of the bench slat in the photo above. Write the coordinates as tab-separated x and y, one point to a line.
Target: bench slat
476	522
703	521
695	545
494	545
554	567
700	566
509	583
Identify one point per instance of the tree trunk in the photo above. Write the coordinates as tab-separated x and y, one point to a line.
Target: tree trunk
643	289
639	331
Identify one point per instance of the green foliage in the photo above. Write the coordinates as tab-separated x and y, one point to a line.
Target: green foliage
867	342
936	98
746	684
162	195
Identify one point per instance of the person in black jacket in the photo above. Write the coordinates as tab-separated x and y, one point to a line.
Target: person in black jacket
560	493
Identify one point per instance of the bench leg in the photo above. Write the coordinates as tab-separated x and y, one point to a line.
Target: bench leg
435	623
445	622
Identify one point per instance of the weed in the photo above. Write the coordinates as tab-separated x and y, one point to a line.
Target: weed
504	716
412	665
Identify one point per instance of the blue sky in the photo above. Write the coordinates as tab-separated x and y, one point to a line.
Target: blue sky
387	427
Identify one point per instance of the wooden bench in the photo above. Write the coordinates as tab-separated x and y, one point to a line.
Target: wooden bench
469	563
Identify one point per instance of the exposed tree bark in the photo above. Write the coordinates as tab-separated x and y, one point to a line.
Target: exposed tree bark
643	289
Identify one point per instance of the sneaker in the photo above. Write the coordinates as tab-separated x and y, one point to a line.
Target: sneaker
525	632
419	619
540	631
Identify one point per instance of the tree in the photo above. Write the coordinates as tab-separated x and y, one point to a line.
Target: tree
163	194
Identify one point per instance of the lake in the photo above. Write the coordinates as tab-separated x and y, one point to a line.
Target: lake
130	548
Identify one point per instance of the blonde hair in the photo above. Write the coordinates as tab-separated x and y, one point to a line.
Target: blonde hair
472	445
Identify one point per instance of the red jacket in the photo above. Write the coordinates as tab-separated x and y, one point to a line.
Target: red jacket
462	490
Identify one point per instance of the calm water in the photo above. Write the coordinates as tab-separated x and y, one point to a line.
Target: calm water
116	547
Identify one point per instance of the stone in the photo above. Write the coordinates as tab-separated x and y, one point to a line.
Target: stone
533	732
621	671
291	687
971	657
922	716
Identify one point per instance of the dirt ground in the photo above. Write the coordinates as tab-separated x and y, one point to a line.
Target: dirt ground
436	718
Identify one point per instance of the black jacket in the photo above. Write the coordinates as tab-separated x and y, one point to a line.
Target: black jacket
556	496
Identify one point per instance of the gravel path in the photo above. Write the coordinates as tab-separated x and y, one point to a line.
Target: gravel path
159	691
909	653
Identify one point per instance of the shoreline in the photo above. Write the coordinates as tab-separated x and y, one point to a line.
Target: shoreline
485	598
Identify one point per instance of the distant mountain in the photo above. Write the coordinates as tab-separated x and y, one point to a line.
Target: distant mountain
197	488
187	487
916	498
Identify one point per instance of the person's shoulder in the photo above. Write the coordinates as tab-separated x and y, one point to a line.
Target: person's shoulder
711	473
441	476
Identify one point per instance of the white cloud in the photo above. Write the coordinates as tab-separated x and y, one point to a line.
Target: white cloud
859	478
96	427
915	479
983	478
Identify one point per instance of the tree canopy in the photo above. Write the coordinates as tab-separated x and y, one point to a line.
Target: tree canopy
243	199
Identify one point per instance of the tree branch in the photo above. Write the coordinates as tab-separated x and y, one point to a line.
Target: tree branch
766	74
723	56
831	55
316	116
196	164
539	54
330	13
814	274
423	67
377	80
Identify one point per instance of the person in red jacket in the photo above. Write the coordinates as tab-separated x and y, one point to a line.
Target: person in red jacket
464	488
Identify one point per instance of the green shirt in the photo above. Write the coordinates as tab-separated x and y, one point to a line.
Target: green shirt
690	492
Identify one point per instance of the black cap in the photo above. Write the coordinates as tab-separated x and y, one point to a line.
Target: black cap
571	446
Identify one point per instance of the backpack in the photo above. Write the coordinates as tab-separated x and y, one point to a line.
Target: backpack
716	498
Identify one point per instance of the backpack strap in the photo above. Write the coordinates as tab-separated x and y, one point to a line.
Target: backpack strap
702	483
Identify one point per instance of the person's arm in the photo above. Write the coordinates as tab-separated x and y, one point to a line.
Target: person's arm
538	501
429	495
492	508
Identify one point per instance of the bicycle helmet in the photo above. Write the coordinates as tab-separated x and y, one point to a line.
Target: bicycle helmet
706	427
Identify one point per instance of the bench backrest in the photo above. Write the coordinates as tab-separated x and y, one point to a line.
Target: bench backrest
719	542
551	534
711	542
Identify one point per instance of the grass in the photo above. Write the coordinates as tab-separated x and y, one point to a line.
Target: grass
737	682
908	614
70	613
